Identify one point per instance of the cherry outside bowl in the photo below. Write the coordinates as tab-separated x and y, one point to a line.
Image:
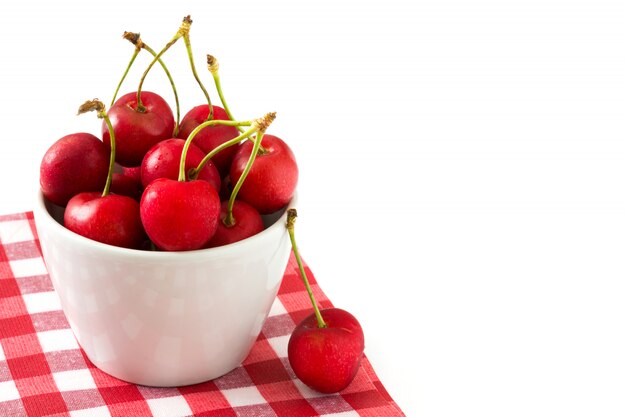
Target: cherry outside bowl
164	318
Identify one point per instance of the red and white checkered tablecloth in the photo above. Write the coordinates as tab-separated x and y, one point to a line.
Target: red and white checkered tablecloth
44	372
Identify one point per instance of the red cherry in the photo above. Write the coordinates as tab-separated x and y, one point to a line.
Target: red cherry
179	215
163	161
137	130
327	358
127	185
248	222
133	172
113	219
272	180
210	137
73	164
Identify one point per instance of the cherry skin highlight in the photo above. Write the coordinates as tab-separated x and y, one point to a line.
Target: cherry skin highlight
179	215
210	137
163	161
138	130
248	222
272	180
73	164
113	219
327	358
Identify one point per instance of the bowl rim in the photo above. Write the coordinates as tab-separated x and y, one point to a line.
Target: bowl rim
42	216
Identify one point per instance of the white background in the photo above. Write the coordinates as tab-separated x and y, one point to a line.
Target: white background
463	170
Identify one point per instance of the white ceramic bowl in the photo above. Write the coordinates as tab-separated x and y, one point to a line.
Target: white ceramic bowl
164	318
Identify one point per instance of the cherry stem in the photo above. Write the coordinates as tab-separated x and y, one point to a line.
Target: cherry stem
258	124
229	220
214	67
195	75
97	106
139	43
130	64
291	220
183	31
192	135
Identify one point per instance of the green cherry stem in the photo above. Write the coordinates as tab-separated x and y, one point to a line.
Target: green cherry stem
195	73
229	220
260	126
257	125
130	64
183	30
192	135
214	67
97	106
291	220
136	40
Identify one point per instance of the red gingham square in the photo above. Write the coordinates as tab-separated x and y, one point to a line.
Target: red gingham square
121	394
45	372
11	307
28	366
16	326
21	346
206	401
44	404
298	407
40	384
9	288
267	372
283	390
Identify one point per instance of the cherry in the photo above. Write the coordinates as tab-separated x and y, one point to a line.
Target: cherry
133	172
325	349
138	128
327	358
73	164
212	136
245	221
163	161
248	223
179	215
272	180
136	40
112	219
124	184
107	218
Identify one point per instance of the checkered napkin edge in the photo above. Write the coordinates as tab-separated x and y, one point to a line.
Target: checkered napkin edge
44	372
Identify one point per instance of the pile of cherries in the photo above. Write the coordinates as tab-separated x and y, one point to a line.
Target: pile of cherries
155	182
